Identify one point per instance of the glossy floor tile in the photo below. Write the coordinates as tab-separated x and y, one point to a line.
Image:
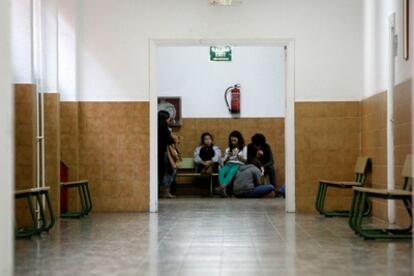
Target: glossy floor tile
209	237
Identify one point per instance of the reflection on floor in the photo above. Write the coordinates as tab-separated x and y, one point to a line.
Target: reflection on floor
209	237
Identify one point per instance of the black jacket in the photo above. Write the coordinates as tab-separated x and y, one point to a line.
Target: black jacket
266	159
164	139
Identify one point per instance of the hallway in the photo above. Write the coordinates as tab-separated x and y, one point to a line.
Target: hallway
209	237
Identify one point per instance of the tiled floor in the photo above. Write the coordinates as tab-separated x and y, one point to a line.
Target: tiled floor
209	237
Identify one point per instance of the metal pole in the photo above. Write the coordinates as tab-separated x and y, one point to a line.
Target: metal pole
37	75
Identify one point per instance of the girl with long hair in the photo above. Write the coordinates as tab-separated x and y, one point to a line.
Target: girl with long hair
234	156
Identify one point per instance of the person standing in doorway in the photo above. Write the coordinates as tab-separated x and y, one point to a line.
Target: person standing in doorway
166	172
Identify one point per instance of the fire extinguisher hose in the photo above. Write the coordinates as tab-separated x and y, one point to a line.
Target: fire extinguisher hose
225	97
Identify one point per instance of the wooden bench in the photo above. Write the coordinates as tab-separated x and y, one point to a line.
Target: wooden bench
362	194
40	224
360	170
84	196
186	168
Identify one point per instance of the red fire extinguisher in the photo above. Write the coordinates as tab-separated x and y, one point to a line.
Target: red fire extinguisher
234	106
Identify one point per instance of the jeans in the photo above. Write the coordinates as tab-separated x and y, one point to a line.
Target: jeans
168	179
166	174
258	191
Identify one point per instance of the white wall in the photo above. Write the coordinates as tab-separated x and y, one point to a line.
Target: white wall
34	43
6	145
112	48
67	65
376	45
188	73
49	46
21	41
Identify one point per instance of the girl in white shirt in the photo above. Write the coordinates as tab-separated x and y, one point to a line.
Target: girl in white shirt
234	156
207	155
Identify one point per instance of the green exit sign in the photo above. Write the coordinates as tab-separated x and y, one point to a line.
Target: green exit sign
220	53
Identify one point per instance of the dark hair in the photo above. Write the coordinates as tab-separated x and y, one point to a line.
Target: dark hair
162	117
204	135
239	136
255	161
259	139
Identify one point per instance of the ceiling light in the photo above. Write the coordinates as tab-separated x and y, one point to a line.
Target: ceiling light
224	2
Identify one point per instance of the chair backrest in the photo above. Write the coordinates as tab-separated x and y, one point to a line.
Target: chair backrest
407	172
361	167
187	163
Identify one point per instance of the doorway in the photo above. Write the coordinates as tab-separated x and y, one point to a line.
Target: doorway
288	45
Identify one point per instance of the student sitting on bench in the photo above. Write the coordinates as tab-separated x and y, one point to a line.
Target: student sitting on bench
247	183
207	155
234	156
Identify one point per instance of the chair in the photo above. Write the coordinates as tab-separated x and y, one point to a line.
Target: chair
41	223
361	168
84	196
362	194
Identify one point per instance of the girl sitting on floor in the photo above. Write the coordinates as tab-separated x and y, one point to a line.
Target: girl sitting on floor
247	183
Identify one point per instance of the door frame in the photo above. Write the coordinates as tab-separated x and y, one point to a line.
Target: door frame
289	45
390	115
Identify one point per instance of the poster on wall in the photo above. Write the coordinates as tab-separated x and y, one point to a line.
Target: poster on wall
220	53
173	106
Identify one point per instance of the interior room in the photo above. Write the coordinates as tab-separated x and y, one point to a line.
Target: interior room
200	84
104	104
